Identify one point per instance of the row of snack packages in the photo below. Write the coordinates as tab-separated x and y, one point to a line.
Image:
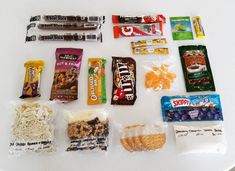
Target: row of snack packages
33	131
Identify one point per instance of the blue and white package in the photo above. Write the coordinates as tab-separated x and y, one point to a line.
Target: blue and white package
191	108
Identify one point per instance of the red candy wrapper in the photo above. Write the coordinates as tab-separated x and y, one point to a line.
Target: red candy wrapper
138	30
117	19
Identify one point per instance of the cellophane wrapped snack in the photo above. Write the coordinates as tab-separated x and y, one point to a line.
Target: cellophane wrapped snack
67	70
32	130
136	138
88	130
206	139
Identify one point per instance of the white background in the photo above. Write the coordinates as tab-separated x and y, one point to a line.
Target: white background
218	21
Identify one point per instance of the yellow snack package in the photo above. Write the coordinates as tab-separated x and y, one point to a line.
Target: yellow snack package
198	27
96	81
32	79
151	42
150	50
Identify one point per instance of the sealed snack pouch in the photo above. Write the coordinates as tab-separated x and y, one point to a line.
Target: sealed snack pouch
88	130
136	138
67	69
198	27
124	81
191	108
96	81
196	68
149	42
150	50
32	78
32	130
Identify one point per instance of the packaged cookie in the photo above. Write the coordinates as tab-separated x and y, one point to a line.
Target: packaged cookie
67	69
191	108
96	81
32	129
136	138
200	139
124	81
196	68
88	130
32	78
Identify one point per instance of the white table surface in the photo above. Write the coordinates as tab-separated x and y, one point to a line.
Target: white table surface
218	21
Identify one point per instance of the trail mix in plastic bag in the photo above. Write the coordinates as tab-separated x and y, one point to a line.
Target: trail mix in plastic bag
209	139
135	138
191	108
88	130
32	130
67	70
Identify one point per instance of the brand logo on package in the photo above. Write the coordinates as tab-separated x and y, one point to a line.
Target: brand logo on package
180	102
68	57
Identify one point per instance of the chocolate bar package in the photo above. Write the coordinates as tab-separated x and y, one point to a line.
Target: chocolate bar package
196	68
124	81
191	108
67	69
116	19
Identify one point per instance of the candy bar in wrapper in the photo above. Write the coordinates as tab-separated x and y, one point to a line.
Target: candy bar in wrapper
138	19
151	42
32	78
67	70
66	19
150	50
124	81
138	30
198	27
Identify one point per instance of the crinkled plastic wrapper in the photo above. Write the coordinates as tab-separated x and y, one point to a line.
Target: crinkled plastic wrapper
88	130
137	138
32	129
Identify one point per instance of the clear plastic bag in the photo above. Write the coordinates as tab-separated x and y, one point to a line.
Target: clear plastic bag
143	137
32	129
88	130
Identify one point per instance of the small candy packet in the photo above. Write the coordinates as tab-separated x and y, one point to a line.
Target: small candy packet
67	69
150	50
197	23
196	68
151	42
32	78
124	81
137	138
88	130
209	139
181	28
32	129
191	108
118	19
96	81
138	30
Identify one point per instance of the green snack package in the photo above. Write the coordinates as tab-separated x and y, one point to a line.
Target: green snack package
181	28
196	68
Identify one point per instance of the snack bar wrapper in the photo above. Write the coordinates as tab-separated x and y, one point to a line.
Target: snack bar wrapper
138	30
32	78
197	23
67	69
151	42
124	81
96	81
150	50
191	108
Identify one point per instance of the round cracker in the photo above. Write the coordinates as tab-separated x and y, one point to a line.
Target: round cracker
125	144
153	141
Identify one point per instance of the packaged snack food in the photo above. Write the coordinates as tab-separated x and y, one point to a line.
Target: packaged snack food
158	77
88	130
150	42
32	78
191	108
150	50
67	69
89	37
124	81
136	138
198	27
32	130
96	81
209	139
138	30
181	28
118	19
65	19
69	26
196	68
